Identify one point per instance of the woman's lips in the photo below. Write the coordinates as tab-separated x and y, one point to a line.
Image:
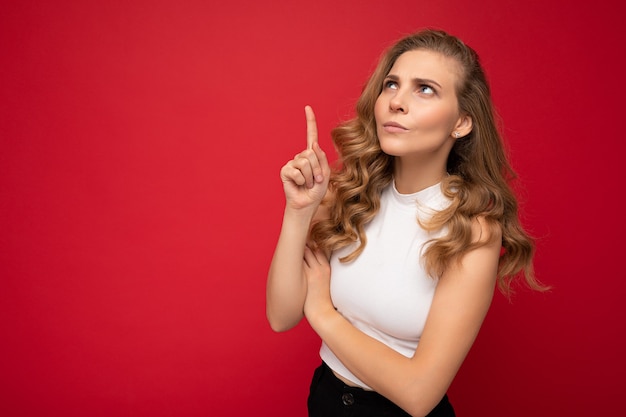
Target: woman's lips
393	127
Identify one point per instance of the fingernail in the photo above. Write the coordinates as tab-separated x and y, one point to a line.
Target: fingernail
319	178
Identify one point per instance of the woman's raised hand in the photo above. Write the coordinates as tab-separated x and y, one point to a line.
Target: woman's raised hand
305	177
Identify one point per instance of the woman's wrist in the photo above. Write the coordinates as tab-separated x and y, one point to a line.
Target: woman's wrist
325	320
302	216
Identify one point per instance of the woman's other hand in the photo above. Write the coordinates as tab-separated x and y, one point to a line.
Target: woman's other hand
318	302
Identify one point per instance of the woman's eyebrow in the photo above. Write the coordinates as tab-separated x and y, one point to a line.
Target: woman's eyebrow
393	77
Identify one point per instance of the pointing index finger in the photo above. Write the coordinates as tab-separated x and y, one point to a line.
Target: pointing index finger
311	127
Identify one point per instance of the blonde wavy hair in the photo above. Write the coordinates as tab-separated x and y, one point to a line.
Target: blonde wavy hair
478	184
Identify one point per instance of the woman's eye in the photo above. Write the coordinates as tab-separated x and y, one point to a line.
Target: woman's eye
425	89
391	84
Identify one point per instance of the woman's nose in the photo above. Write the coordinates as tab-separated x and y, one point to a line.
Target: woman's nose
398	103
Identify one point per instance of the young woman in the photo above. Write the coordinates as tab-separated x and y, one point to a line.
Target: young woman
393	256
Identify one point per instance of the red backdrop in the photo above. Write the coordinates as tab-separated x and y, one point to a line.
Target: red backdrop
140	200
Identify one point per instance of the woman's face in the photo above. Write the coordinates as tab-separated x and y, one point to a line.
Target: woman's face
417	111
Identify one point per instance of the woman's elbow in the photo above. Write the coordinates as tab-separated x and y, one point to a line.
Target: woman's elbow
416	411
278	327
419	410
279	324
419	403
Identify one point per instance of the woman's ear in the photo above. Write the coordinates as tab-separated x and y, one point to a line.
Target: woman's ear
463	126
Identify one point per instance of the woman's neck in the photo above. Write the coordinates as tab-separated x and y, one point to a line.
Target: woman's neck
411	177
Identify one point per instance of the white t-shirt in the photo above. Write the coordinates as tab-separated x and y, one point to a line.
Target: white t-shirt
385	292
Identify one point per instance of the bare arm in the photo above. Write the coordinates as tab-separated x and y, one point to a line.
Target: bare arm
305	181
460	304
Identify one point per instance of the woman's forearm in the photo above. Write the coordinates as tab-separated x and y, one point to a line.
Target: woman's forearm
286	285
381	367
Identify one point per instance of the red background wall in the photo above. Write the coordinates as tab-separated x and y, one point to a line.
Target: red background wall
140	201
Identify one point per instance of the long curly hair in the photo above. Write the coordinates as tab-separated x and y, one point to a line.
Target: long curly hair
477	185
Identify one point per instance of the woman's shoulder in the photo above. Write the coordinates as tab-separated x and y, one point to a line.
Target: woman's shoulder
485	231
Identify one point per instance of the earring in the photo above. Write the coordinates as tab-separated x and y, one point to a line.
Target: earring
457	135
